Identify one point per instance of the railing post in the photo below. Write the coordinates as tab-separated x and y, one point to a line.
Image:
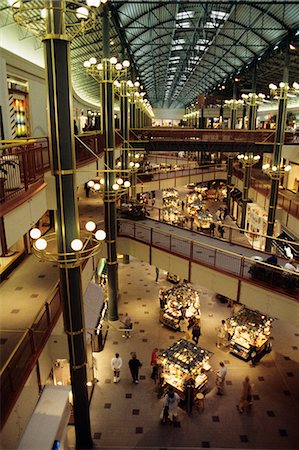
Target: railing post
190	262
31	339
151	246
48	313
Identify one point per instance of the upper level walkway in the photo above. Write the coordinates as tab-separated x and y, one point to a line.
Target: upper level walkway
224	267
193	139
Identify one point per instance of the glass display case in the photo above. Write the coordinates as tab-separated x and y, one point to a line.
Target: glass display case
249	333
177	304
184	360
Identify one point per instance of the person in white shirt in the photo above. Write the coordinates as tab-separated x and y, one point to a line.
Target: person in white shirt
116	363
171	402
220	378
291	265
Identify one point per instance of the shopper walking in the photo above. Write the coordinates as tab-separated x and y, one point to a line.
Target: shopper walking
221	334
134	365
246	396
221	230
171	401
220	378
196	333
128	326
183	205
116	363
157	274
154	356
212	229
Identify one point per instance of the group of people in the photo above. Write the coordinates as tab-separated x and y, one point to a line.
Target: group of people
134	366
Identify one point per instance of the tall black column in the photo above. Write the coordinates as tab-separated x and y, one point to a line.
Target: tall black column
61	135
124	126
107	99
277	149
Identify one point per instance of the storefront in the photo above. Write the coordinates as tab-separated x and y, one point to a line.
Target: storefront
179	304
184	363
256	225
249	333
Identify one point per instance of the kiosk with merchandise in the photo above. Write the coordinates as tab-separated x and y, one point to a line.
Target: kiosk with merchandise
181	362
170	197
249	332
179	304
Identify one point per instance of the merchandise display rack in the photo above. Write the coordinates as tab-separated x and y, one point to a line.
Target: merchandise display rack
250	332
183	361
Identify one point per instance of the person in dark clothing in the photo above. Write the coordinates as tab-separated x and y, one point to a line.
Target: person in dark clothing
76	131
272	260
196	333
183	205
134	365
221	230
212	229
87	189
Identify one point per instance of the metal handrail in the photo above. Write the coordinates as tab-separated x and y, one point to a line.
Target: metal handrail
212	247
40	312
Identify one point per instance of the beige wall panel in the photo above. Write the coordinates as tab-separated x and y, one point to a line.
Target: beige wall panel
215	281
276	305
133	248
18	221
171	263
21	413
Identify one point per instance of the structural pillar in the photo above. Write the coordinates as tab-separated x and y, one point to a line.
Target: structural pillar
61	134
124	128
107	99
277	149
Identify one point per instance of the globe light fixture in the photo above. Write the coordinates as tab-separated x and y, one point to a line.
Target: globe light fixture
35	233
41	244
90	226
100	235
76	245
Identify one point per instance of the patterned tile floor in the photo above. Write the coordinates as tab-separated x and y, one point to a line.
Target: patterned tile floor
273	422
132	418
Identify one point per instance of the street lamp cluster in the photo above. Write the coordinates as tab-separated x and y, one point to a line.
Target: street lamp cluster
36	15
84	247
99	185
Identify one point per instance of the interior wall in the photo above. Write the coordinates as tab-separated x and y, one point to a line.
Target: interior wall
21	413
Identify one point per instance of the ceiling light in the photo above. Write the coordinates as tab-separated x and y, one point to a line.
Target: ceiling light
35	233
90	226
100	235
82	12
76	245
94	3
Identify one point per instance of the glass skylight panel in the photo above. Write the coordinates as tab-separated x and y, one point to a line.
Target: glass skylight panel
211	25
178	41
203	41
185	15
177	47
174	58
221	15
183	25
200	48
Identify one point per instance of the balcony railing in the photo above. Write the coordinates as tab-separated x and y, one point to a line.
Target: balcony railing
15	372
263	186
225	261
23	165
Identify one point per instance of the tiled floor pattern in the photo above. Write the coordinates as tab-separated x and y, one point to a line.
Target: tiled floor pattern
132	418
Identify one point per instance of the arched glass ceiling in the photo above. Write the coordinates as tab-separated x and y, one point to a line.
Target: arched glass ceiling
182	48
